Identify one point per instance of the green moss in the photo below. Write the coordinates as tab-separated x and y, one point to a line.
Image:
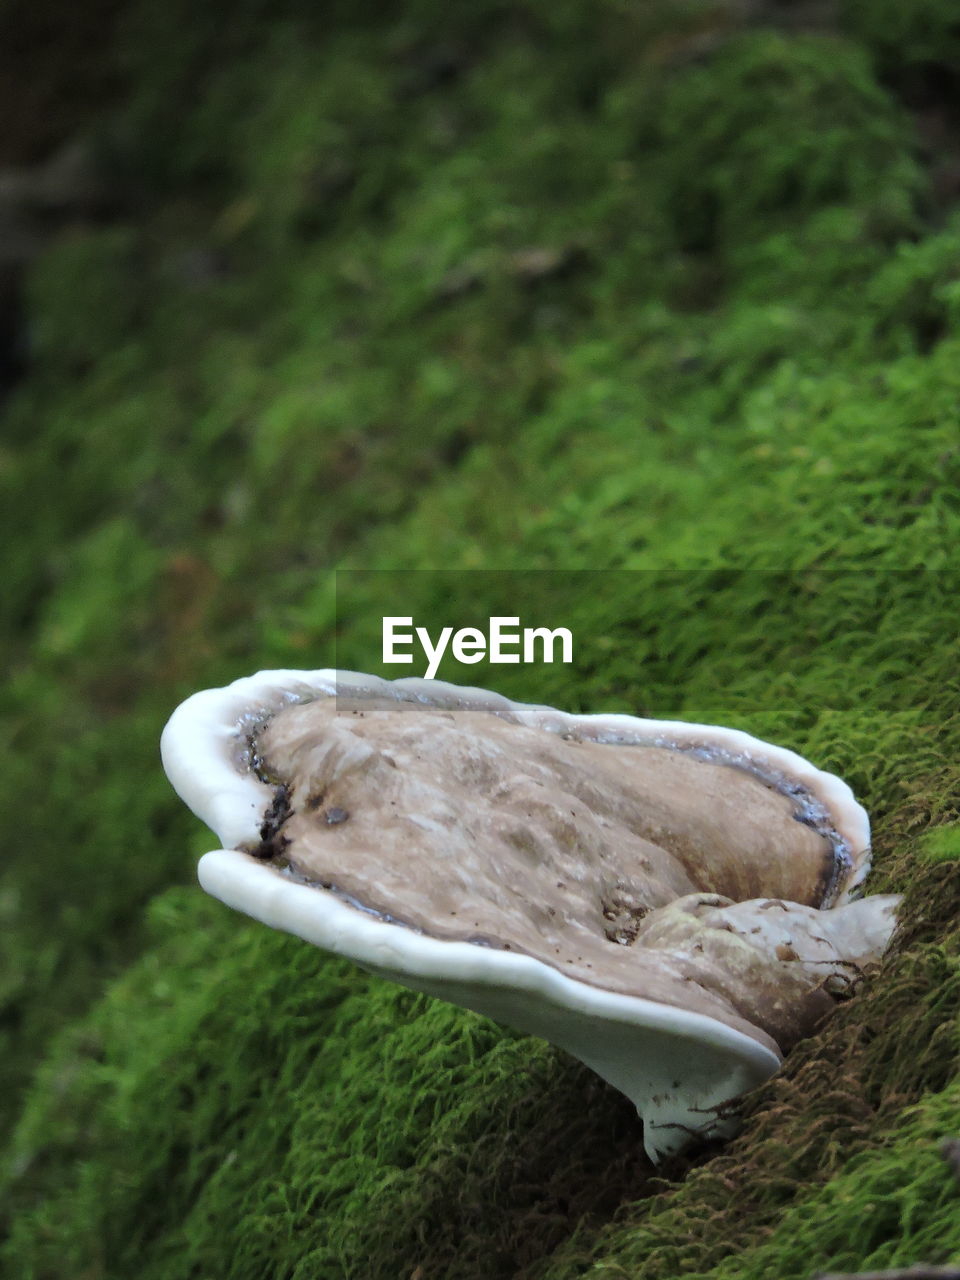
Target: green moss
942	844
644	296
779	126
84	295
348	1102
904	35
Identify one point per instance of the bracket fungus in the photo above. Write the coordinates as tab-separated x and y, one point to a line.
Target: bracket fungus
674	904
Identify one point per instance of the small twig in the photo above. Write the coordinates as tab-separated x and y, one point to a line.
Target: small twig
917	1272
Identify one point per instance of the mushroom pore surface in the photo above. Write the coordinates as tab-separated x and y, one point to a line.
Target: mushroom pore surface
617	864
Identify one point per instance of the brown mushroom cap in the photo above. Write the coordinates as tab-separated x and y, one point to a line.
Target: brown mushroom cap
470	826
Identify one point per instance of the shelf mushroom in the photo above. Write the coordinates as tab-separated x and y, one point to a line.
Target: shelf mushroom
674	904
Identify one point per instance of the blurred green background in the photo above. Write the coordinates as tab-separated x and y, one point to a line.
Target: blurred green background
671	289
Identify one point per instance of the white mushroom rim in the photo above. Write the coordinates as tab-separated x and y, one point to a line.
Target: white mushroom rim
677	1063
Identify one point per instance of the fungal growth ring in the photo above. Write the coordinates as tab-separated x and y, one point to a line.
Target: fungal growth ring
671	903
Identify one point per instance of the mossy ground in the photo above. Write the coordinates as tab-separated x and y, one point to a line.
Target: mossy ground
312	333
